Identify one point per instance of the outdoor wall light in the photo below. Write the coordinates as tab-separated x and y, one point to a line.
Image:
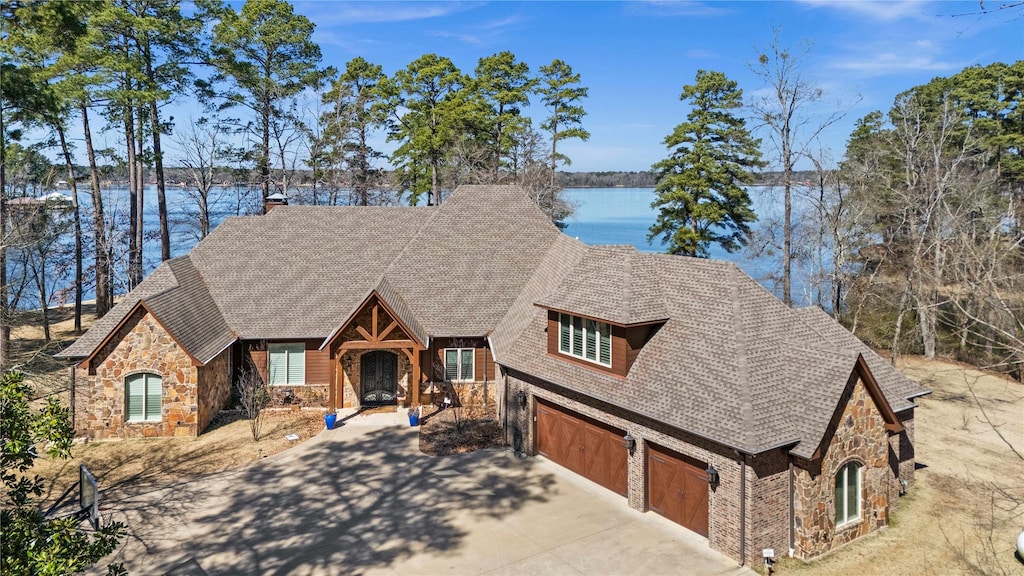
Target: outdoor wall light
630	443
521	398
712	476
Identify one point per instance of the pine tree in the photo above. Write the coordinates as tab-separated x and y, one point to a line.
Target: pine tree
700	188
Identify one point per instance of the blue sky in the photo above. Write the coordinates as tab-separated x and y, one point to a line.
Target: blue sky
636	56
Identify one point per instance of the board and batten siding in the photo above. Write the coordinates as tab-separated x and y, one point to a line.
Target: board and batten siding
626	344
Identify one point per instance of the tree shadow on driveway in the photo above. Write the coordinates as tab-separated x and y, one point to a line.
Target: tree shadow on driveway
345	502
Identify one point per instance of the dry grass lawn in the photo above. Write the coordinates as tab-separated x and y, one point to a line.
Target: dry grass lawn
961	516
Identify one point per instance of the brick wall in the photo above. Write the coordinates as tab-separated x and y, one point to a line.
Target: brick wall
141	345
859	435
723	502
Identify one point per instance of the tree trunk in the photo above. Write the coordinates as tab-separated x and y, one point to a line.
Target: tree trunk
104	298
140	194
894	350
264	161
5	328
70	165
158	161
133	199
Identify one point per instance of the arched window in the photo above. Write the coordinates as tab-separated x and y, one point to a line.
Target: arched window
848	483
143	394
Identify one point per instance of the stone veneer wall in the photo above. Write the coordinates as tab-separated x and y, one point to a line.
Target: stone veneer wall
350	365
860	436
466	393
141	345
214	381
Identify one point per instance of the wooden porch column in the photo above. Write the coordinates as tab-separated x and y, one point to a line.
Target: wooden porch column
415	377
332	404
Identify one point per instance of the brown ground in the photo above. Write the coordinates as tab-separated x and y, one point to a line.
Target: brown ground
442	434
961	517
964	512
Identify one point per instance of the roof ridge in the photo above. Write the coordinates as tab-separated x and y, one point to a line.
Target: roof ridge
742	368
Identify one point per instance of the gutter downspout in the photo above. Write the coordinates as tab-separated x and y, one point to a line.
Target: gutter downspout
792	514
743	509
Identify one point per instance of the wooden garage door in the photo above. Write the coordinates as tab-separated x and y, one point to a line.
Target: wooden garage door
589	448
677	487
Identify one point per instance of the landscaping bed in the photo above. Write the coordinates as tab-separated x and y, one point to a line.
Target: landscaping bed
447	431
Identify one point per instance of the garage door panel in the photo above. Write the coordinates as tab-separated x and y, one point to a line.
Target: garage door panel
587	448
678	489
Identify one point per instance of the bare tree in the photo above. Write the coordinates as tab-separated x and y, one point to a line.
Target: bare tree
253	397
201	150
785	116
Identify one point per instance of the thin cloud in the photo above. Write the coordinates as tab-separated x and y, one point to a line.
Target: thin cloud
502	23
677	8
886	63
467	38
335	13
887	11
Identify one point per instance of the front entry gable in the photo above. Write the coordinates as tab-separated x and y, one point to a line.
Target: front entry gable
374	324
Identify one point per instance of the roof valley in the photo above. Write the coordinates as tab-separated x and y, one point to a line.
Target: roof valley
742	369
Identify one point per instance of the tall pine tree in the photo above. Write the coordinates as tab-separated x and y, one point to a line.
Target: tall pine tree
700	190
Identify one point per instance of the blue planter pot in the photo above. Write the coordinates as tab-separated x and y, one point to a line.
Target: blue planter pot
330	419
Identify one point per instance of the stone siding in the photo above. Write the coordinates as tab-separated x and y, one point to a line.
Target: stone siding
859	435
214	381
141	345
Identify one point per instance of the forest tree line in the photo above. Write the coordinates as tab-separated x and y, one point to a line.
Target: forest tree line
911	234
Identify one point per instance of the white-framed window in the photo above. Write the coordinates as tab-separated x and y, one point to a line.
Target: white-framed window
287	363
143	395
458	364
585	338
848	485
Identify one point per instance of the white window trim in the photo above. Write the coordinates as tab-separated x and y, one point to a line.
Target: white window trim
145	397
568	318
850	519
458	363
288	355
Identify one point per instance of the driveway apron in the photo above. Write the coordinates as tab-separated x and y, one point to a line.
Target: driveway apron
362	499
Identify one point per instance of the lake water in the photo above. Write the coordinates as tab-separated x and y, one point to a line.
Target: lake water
625	215
603	216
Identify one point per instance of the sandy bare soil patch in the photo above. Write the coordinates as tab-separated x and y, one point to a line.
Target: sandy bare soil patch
964	512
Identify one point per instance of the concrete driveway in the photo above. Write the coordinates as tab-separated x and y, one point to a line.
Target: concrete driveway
362	499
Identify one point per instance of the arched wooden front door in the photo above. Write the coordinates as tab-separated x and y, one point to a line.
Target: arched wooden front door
378	378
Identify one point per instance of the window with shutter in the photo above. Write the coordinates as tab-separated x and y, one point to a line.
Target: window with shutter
564	334
585	338
287	363
458	364
143	397
847	493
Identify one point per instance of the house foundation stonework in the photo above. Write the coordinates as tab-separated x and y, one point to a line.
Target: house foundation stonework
678	383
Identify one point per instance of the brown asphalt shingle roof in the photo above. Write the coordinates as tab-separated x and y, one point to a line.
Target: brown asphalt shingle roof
730	363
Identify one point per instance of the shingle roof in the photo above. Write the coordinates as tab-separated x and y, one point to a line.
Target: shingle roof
159	280
731	364
189	313
627	290
176	294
